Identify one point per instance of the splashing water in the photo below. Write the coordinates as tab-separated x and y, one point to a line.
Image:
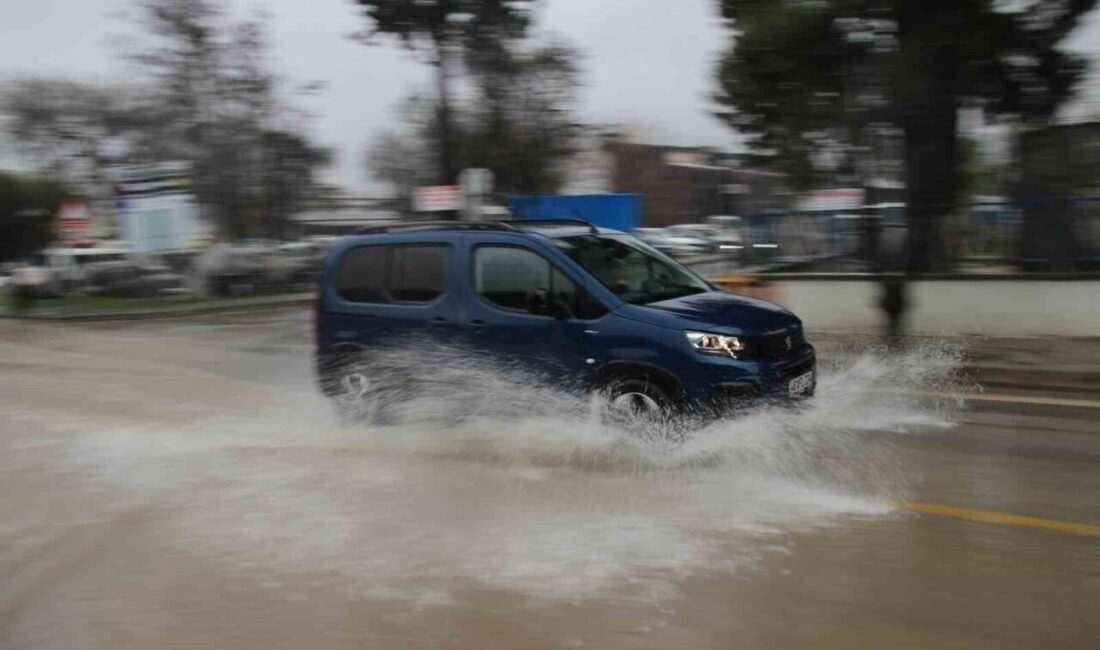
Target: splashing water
485	480
467	407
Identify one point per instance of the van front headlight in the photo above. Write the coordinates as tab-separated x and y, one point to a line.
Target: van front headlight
717	344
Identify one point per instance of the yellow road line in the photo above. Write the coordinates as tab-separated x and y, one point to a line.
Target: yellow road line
999	518
1013	399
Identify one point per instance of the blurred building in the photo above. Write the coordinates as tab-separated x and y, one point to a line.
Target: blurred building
1063	159
337	213
688	184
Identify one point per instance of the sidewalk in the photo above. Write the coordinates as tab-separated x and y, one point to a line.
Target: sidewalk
1050	363
1026	363
164	309
1039	305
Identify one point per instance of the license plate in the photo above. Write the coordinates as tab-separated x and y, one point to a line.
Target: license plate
801	383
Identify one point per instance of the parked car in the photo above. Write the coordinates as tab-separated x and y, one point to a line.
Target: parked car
304	260
728	232
706	237
671	244
29	278
224	268
579	305
138	276
71	270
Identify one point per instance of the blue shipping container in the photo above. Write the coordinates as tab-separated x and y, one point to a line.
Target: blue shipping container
618	211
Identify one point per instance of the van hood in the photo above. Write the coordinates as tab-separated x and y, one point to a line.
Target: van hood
715	311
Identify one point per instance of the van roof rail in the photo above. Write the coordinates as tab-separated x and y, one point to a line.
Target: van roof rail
434	225
552	222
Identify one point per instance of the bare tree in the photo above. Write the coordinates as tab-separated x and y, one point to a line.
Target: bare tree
518	121
400	160
217	105
447	30
70	130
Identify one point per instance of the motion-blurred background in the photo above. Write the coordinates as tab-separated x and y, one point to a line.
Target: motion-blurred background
176	149
172	173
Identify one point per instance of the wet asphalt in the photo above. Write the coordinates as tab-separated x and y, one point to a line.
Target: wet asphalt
180	484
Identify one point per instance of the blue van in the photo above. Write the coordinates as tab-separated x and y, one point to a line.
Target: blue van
584	307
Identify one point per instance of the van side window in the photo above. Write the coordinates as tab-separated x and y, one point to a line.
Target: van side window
587	307
393	274
563	290
509	277
522	280
418	273
579	302
361	276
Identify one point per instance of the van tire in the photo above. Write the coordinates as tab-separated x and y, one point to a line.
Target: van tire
637	398
347	383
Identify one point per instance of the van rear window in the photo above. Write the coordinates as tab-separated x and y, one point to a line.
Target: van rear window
418	273
361	276
393	274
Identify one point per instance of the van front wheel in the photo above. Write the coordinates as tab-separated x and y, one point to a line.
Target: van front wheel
636	398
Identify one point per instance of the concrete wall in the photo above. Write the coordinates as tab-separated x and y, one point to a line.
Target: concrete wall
1001	307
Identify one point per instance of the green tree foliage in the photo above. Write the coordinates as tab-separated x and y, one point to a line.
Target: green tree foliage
69	130
448	31
521	123
517	121
27	207
814	80
403	157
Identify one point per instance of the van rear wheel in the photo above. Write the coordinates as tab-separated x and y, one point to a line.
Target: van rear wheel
348	385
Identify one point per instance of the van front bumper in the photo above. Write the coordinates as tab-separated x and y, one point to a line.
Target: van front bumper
745	382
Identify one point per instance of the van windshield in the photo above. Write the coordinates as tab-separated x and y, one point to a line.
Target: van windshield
632	270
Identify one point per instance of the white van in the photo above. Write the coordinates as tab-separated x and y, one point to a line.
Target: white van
71	269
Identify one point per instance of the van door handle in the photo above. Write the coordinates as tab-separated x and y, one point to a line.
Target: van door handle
439	320
477	322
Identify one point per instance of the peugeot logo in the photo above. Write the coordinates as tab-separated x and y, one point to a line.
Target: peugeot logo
789	343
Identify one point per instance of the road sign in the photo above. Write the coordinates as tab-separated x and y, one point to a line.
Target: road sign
157	208
476	182
437	198
74	223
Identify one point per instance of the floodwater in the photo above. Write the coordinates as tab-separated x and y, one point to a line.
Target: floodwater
183	485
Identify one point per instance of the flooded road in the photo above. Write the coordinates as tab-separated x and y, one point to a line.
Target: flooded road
182	485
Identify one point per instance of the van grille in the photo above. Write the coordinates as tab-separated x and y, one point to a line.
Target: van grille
791	372
776	346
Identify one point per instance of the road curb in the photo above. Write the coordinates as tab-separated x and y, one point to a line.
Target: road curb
210	307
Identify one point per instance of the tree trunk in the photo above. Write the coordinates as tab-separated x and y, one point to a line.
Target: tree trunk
928	103
931	181
447	165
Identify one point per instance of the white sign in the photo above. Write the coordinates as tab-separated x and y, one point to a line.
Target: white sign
685	158
157	208
476	182
74	222
839	199
437	198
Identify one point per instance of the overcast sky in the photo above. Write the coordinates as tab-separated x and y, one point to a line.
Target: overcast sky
648	63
